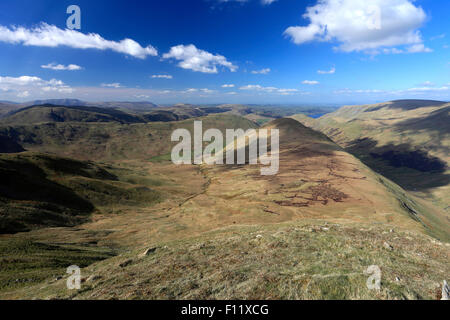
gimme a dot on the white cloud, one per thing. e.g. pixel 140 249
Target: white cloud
pixel 427 84
pixel 420 47
pixel 205 90
pixel 262 71
pixel 162 76
pixel 111 85
pixel 198 60
pixel 440 36
pixel 360 25
pixel 190 90
pixel 46 35
pixel 310 82
pixel 228 86
pixel 331 71
pixel 142 96
pixel 257 87
pixel 59 67
pixel 23 94
pixel 422 89
pixel 27 85
pixel 267 2
pixel 349 91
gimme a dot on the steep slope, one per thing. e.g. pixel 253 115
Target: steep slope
pixel 316 179
pixel 408 141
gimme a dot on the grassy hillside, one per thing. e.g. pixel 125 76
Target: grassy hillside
pixel 111 141
pixel 408 141
pixel 296 260
pixel 39 191
pixel 51 113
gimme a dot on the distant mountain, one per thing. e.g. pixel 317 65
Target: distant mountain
pixel 57 102
pixel 126 105
pixel 53 113
pixel 7 107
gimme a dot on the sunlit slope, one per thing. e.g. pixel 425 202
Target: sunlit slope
pixel 111 140
pixel 408 141
pixel 51 113
pixel 309 232
pixel 316 179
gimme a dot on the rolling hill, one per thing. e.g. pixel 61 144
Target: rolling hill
pixel 38 191
pixel 407 141
pixel 51 113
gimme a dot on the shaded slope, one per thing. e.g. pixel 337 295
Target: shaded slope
pixel 39 191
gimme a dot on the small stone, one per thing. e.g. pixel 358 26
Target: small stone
pixel 259 236
pixel 125 263
pixel 388 246
pixel 148 252
pixel 325 229
pixel 397 279
pixel 93 277
pixel 391 231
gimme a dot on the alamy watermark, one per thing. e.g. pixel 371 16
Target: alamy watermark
pixel 238 144
pixel 374 280
pixel 74 280
pixel 74 20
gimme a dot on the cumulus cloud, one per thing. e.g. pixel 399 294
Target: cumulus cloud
pixel 162 76
pixel 46 35
pixel 228 86
pixel 310 82
pixel 111 85
pixel 257 87
pixel 26 85
pixel 190 90
pixel 262 71
pixel 59 67
pixel 425 89
pixel 331 71
pixel 360 25
pixel 198 60
pixel 23 94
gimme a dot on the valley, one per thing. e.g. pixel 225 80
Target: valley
pixel 95 187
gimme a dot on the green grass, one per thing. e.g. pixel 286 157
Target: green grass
pixel 298 260
pixel 24 262
pixel 39 190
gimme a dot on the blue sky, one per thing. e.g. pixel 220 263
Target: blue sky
pixel 211 51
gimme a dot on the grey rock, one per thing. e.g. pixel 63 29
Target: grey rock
pixel 445 291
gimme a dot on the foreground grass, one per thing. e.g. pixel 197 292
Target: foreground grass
pixel 25 262
pixel 301 260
